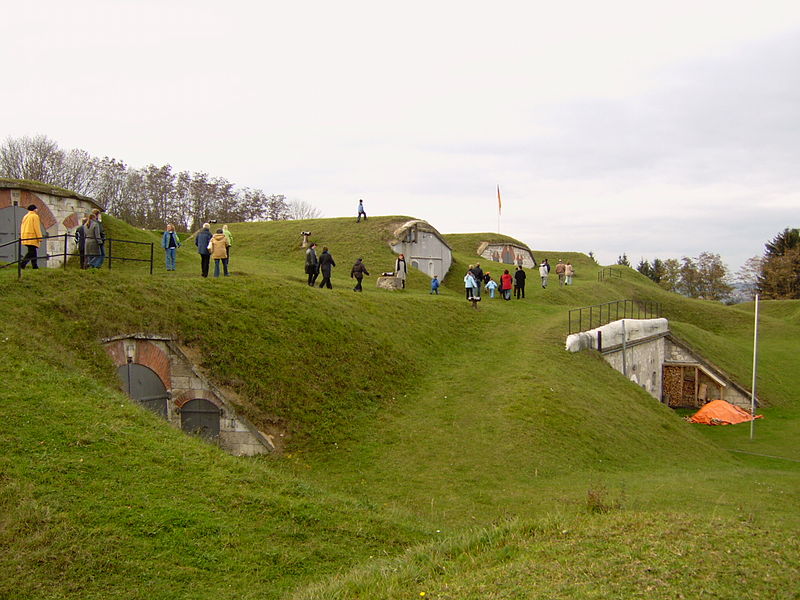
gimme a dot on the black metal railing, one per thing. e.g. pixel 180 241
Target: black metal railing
pixel 108 257
pixel 589 317
pixel 608 273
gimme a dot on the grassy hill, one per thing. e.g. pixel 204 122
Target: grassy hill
pixel 427 447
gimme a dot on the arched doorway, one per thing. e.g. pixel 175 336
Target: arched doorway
pixel 201 417
pixel 145 387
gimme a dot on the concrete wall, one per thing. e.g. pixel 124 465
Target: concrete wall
pixel 428 253
pixel 649 347
pixel 160 354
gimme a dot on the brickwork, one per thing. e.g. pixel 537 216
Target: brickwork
pixel 188 395
pixel 5 198
pixel 153 357
pixel 72 221
pixel 45 214
pixel 116 351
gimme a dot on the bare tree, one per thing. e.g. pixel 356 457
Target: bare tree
pixel 300 209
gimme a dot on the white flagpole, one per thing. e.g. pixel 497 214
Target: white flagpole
pixel 499 208
pixel 755 370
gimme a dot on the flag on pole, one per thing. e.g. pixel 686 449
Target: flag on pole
pixel 499 202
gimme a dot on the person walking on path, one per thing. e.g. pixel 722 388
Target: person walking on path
pixel 519 282
pixel 30 235
pixel 358 271
pixel 491 285
pixel 401 269
pixel 93 243
pixel 229 237
pixel 435 285
pixel 560 270
pixel 569 271
pixel 361 211
pixel 478 273
pixel 544 271
pixel 470 284
pixel 203 242
pixel 325 263
pixel 80 241
pixel 506 283
pixel 170 243
pixel 219 252
pixel 312 264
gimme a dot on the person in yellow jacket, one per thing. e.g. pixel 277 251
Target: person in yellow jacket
pixel 30 233
pixel 219 251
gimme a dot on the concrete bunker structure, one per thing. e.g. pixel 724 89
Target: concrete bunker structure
pixel 508 253
pixel 157 374
pixel 60 212
pixel 647 353
pixel 424 247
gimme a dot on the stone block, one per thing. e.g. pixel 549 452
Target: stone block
pixel 389 283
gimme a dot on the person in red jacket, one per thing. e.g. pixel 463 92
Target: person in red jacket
pixel 506 283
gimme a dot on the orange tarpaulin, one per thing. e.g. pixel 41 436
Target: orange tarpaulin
pixel 719 412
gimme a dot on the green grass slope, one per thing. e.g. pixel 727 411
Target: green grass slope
pixel 414 426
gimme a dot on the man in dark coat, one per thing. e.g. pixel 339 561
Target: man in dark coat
pixel 201 240
pixel 325 263
pixel 358 271
pixel 312 264
pixel 477 272
pixel 519 282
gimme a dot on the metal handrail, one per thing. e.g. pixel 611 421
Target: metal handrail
pixel 110 256
pixel 612 272
pixel 593 315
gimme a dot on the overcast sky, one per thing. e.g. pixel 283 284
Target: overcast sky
pixel 651 128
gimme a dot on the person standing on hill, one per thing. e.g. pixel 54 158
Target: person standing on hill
pixel 470 284
pixel 401 269
pixel 325 263
pixel 506 284
pixel 519 282
pixel 312 264
pixel 361 211
pixel 560 270
pixel 219 251
pixel 544 271
pixel 478 273
pixel 94 242
pixel 30 235
pixel 569 271
pixel 203 242
pixel 170 243
pixel 491 285
pixel 229 237
pixel 435 285
pixel 358 271
pixel 80 241
pixel 101 254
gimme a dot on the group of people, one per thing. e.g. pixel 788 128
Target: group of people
pixel 216 246
pixel 90 237
pixel 564 271
pixel 475 278
pixel 324 263
pixel 209 245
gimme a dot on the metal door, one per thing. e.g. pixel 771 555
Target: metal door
pixel 10 219
pixel 201 417
pixel 145 387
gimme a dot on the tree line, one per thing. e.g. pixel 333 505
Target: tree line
pixel 147 197
pixel 774 275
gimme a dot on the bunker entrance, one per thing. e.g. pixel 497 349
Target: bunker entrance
pixel 201 417
pixel 145 387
